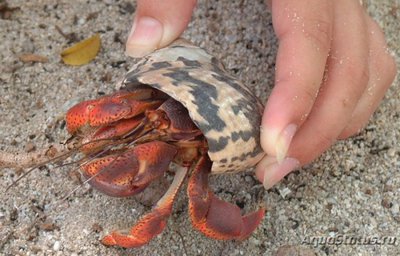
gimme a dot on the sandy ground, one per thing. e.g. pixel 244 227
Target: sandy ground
pixel 351 190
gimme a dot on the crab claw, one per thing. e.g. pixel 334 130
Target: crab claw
pixel 109 109
pixel 129 172
pixel 152 223
pixel 103 136
pixel 212 216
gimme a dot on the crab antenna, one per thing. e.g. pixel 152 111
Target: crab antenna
pixel 140 126
pixel 118 141
pixel 87 158
pixel 98 173
pixel 72 192
pixel 91 177
pixel 62 156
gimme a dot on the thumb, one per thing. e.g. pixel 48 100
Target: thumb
pixel 157 24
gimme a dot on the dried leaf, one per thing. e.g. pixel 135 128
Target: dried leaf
pixel 6 11
pixel 82 52
pixel 48 226
pixel 30 57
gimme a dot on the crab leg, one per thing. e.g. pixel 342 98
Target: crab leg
pixel 212 216
pixel 152 223
pixel 105 135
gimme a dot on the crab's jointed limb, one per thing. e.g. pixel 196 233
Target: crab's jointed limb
pixel 152 223
pixel 111 108
pixel 212 216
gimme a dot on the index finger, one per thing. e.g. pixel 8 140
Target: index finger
pixel 304 30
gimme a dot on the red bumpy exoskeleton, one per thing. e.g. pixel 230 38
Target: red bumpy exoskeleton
pixel 132 137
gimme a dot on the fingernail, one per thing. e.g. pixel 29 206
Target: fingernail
pixel 283 141
pixel 145 37
pixel 270 172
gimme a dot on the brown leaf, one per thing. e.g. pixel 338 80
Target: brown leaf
pixel 83 52
pixel 6 11
pixel 30 57
pixel 48 226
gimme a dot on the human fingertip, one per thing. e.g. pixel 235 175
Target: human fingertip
pixel 276 142
pixel 270 172
pixel 283 141
pixel 145 37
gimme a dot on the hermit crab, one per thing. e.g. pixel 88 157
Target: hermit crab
pixel 177 106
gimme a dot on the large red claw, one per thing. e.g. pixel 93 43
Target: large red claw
pixel 152 223
pixel 78 116
pixel 129 172
pixel 114 109
pixel 214 217
pixel 109 109
pixel 94 113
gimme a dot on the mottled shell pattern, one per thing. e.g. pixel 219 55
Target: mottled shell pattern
pixel 226 111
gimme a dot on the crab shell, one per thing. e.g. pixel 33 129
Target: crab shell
pixel 226 111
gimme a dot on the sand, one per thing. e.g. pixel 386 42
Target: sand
pixel 351 190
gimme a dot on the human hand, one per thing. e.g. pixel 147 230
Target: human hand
pixel 332 71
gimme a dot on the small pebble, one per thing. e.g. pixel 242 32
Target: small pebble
pixel 387 188
pixel 284 192
pixel 29 147
pixel 391 152
pixel 96 227
pixel 57 246
pixel 254 241
pixel 386 203
pixel 14 214
pixel 395 209
pixel 248 179
pixel 81 21
pixel 368 191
